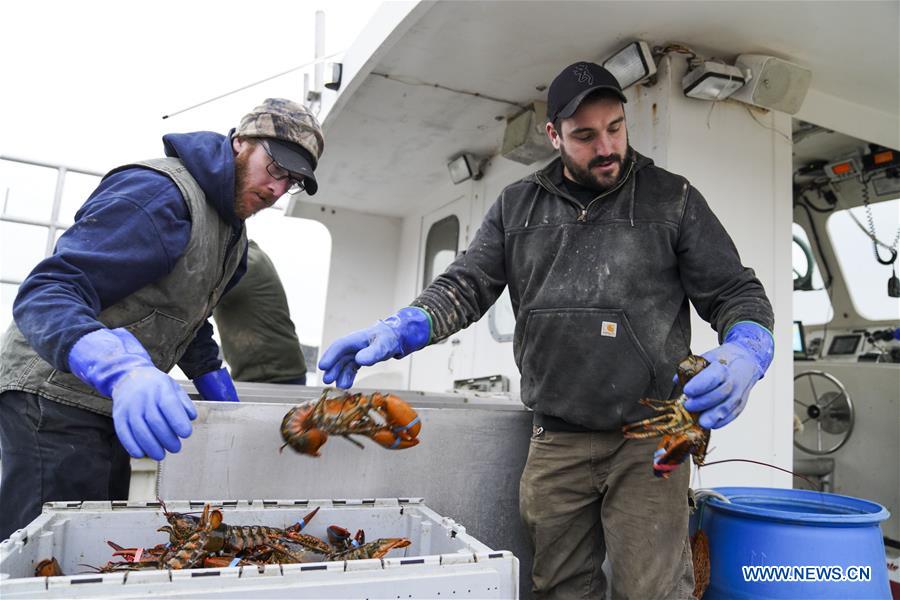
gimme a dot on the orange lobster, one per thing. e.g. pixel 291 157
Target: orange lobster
pixel 306 427
pixel 681 435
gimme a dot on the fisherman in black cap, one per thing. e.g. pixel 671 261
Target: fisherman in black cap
pixel 603 253
pixel 124 297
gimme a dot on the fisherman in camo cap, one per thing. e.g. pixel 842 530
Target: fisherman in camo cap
pixel 125 296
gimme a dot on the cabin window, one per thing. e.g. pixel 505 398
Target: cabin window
pixel 39 203
pixel 440 247
pixel 811 302
pixel 501 320
pixel 866 278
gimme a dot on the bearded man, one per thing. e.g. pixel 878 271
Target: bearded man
pixel 125 296
pixel 602 251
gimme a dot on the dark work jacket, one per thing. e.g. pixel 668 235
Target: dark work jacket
pixel 599 291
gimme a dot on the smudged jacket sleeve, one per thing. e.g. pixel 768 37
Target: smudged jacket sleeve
pixel 722 291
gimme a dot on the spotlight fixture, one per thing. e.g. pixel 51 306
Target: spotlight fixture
pixel 462 167
pixel 632 64
pixel 712 81
pixel 334 81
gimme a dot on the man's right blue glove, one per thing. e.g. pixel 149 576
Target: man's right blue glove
pixel 394 337
pixel 150 410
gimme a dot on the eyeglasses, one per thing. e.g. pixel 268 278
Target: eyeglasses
pixel 279 174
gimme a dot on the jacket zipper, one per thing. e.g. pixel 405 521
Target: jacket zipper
pixel 584 209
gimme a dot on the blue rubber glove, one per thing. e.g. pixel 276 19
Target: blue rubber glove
pixel 150 411
pixel 216 385
pixel 720 391
pixel 394 337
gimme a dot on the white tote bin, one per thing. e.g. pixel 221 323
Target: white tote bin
pixel 442 561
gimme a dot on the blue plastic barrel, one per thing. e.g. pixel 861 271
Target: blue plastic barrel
pixel 805 538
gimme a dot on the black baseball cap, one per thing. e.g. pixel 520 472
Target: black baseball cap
pixel 572 86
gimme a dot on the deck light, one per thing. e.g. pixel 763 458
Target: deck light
pixel 712 81
pixel 462 167
pixel 631 64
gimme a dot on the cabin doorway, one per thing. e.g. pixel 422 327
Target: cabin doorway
pixel 445 233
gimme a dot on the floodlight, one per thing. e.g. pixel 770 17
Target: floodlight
pixel 712 81
pixel 631 64
pixel 463 167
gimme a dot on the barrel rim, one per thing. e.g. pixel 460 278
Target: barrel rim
pixel 866 512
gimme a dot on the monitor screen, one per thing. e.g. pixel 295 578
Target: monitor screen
pixel 799 340
pixel 844 344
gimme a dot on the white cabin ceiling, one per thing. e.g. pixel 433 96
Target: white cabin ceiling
pixel 508 49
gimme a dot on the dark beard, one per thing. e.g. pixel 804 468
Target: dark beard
pixel 585 178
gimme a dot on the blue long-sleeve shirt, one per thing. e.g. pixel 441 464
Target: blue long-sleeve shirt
pixel 129 233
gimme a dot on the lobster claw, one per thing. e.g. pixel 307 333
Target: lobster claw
pixel 299 525
pixel 675 448
pixel 666 459
pixel 337 535
pixel 382 546
pixel 402 419
pixel 393 441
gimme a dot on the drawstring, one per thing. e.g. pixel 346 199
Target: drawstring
pixel 631 206
pixel 531 208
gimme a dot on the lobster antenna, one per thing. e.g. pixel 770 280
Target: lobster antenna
pixel 347 437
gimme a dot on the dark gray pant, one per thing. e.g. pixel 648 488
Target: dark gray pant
pixel 54 452
pixel 587 496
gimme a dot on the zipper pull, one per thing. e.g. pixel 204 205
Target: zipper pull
pixel 583 216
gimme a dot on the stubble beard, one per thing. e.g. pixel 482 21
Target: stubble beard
pixel 586 178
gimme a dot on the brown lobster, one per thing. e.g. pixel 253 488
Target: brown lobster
pixel 681 435
pixel 385 418
pixel 377 549
pixel 208 538
pixel 241 538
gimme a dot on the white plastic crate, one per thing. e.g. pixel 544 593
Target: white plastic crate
pixel 442 561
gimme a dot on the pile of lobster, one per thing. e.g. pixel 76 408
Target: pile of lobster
pixel 205 541
pixel 385 418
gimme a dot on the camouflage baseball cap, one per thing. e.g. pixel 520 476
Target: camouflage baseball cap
pixel 294 136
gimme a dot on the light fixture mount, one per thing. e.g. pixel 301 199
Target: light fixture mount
pixel 712 81
pixel 632 64
pixel 464 166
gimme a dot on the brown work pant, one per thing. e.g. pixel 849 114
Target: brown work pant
pixel 584 496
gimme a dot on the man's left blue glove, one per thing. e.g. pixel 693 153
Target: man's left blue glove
pixel 216 385
pixel 720 391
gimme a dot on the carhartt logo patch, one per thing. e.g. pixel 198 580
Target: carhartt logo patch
pixel 583 73
pixel 608 329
